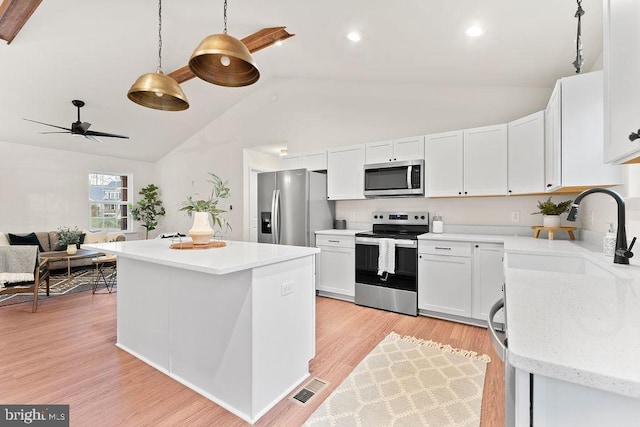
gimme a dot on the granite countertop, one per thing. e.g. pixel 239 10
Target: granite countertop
pixel 235 256
pixel 346 232
pixel 577 327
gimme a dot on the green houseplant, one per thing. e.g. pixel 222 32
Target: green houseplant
pixel 148 209
pixel 551 211
pixel 203 209
pixel 69 237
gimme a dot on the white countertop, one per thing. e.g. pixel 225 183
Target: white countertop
pixel 579 328
pixel 346 232
pixel 236 256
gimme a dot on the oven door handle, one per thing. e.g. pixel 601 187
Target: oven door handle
pixel 371 241
pixel 498 345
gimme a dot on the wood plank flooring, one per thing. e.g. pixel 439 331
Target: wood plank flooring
pixel 66 354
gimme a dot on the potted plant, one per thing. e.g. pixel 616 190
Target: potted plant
pixel 551 211
pixel 206 211
pixel 69 238
pixel 148 209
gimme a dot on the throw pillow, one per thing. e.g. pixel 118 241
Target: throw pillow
pixel 27 239
pixel 3 240
pixel 95 237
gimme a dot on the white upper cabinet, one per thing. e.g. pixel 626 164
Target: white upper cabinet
pixel 574 135
pixel 485 161
pixel 291 161
pixel 443 159
pixel 315 160
pixel 411 148
pixel 621 74
pixel 345 176
pixel 526 154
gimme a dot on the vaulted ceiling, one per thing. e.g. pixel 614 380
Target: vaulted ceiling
pixel 93 51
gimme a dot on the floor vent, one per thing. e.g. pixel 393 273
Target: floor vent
pixel 310 389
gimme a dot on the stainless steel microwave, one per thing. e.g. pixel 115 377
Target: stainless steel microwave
pixel 393 179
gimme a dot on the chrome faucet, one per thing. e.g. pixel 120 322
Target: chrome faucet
pixel 622 253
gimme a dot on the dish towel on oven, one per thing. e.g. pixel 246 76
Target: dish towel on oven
pixel 386 256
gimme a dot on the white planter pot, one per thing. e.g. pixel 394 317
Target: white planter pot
pixel 201 231
pixel 551 220
pixel 72 249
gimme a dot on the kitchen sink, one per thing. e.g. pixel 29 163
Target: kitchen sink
pixel 556 263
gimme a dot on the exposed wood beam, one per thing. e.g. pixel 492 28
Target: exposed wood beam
pixel 13 15
pixel 254 42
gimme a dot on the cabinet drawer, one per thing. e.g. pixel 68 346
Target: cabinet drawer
pixel 443 247
pixel 337 241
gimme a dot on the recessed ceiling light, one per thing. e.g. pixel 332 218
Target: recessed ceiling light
pixel 354 36
pixel 474 31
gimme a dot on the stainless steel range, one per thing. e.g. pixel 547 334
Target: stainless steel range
pixel 387 262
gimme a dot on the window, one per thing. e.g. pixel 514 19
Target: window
pixel 108 201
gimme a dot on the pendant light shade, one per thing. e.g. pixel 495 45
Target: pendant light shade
pixel 158 91
pixel 224 60
pixel 155 90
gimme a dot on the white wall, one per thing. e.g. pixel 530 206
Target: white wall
pixel 43 189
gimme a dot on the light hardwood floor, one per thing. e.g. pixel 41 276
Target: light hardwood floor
pixel 65 354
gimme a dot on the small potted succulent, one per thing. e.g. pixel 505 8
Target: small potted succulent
pixel 551 211
pixel 204 209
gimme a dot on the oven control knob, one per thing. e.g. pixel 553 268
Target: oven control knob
pixel 415 217
pixel 375 217
pixel 422 217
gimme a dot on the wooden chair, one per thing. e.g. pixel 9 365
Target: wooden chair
pixel 41 273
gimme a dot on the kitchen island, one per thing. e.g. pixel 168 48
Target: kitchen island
pixel 236 324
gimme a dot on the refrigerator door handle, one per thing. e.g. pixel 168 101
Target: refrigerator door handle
pixel 276 216
pixel 273 217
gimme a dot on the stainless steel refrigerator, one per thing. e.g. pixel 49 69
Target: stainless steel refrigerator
pixel 292 206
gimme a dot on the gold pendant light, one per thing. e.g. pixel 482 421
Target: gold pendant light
pixel 224 60
pixel 157 90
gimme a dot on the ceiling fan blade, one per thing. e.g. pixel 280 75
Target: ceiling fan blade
pixel 92 138
pixel 42 133
pixel 47 124
pixel 110 135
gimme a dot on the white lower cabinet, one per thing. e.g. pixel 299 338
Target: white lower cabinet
pixel 461 279
pixel 335 266
pixel 444 277
pixel 488 279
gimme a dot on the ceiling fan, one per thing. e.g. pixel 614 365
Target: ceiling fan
pixel 81 128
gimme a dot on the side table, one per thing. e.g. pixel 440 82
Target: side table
pixel 101 263
pixel 538 228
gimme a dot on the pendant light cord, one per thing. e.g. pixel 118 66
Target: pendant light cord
pixel 579 58
pixel 225 16
pixel 160 35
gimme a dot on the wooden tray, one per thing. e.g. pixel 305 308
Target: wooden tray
pixel 190 245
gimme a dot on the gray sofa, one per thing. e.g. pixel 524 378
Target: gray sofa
pixel 50 247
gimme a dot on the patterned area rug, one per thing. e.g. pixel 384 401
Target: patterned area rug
pixel 406 381
pixel 81 280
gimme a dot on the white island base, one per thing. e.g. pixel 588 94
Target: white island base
pixel 243 339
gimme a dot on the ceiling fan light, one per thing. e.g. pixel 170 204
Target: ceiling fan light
pixel 158 91
pixel 209 58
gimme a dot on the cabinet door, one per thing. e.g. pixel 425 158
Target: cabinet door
pixel 336 271
pixel 526 154
pixel 444 284
pixel 621 71
pixel 411 148
pixel 552 135
pixel 443 159
pixel 485 161
pixel 345 179
pixel 291 161
pixel 488 279
pixel 379 152
pixel 315 161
